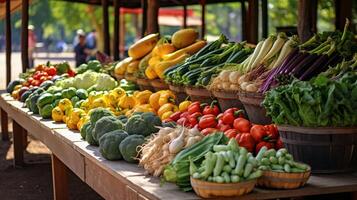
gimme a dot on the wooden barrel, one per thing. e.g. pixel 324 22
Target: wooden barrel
pixel 252 105
pixel 325 149
pixel 199 94
pixel 144 84
pixel 207 189
pixel 227 99
pixel 282 180
pixel 158 85
pixel 179 92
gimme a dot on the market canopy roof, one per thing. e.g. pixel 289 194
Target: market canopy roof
pixel 163 3
pixel 15 5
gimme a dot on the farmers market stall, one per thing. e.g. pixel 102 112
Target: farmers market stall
pixel 121 180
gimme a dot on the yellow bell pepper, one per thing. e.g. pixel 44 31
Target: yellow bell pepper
pixel 154 100
pixel 166 115
pixel 64 104
pixel 184 105
pixel 76 115
pixel 100 102
pixel 143 97
pixel 166 97
pixel 82 121
pixel 144 108
pixel 165 108
pixel 57 114
pixel 118 92
pixel 110 99
pixel 71 124
pixel 94 95
pixel 127 102
pixel 150 73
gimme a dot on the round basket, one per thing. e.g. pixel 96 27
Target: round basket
pixel 282 180
pixel 199 94
pixel 227 99
pixel 179 92
pixel 158 85
pixel 130 77
pixel 207 189
pixel 325 149
pixel 144 84
pixel 252 105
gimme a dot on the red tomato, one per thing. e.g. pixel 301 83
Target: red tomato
pixel 51 71
pixel 44 73
pixel 37 75
pixel 261 144
pixel 36 83
pixel 30 79
pixel 279 144
pixel 242 125
pixel 258 132
pixel 230 133
pixel 208 131
pixel 71 73
pixel 49 77
pixel 207 121
pixel 246 140
pixel 43 78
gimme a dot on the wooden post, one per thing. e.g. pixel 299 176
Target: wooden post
pixel 116 41
pixel 144 8
pixel 184 13
pixel 4 125
pixel 18 140
pixel 244 22
pixel 24 34
pixel 265 18
pixel 8 42
pixel 203 18
pixel 153 16
pixel 343 10
pixel 106 27
pixel 253 13
pixel 122 35
pixel 59 179
pixel 307 17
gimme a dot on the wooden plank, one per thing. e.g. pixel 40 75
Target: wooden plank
pixel 203 18
pixel 307 18
pixel 24 34
pixel 68 136
pixel 6 96
pixel 4 125
pixel 116 40
pixel 265 18
pixel 144 7
pixel 184 7
pixel 59 179
pixel 152 16
pixel 244 22
pixel 103 182
pixel 131 194
pixel 8 41
pixel 18 142
pixel 106 35
pixel 253 14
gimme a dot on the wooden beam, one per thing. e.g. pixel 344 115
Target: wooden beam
pixel 122 35
pixel 203 18
pixel 153 16
pixel 116 41
pixel 59 179
pixel 8 41
pixel 265 18
pixel 244 22
pixel 18 140
pixel 307 18
pixel 343 10
pixel 144 8
pixel 184 2
pixel 4 125
pixel 106 35
pixel 253 15
pixel 24 34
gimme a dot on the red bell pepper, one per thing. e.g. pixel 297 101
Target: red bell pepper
pixel 242 125
pixel 234 110
pixel 246 140
pixel 279 144
pixel 272 131
pixel 258 132
pixel 261 144
pixel 193 118
pixel 211 109
pixel 223 127
pixel 175 116
pixel 208 131
pixel 184 115
pixel 230 133
pixel 195 107
pixel 207 121
pixel 183 122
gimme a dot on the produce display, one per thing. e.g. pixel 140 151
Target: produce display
pixel 310 84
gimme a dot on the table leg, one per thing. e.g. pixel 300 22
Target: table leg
pixel 354 196
pixel 24 139
pixel 4 125
pixel 59 178
pixel 18 141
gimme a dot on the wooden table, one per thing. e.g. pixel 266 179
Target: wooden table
pixel 122 180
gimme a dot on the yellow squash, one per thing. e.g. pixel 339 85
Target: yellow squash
pixel 143 46
pixel 143 97
pixel 192 49
pixel 165 108
pixel 133 67
pixel 150 73
pixel 127 102
pixel 184 37
pixel 166 115
pixel 154 100
pixel 120 67
pixel 162 66
pixel 57 114
pixel 166 97
pixel 183 106
pixel 163 49
pixel 65 104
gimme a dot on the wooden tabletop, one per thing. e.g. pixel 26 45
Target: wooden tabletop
pixel 122 180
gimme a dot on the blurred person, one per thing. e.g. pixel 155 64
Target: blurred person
pixel 76 38
pixel 31 45
pixel 81 50
pixel 91 39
